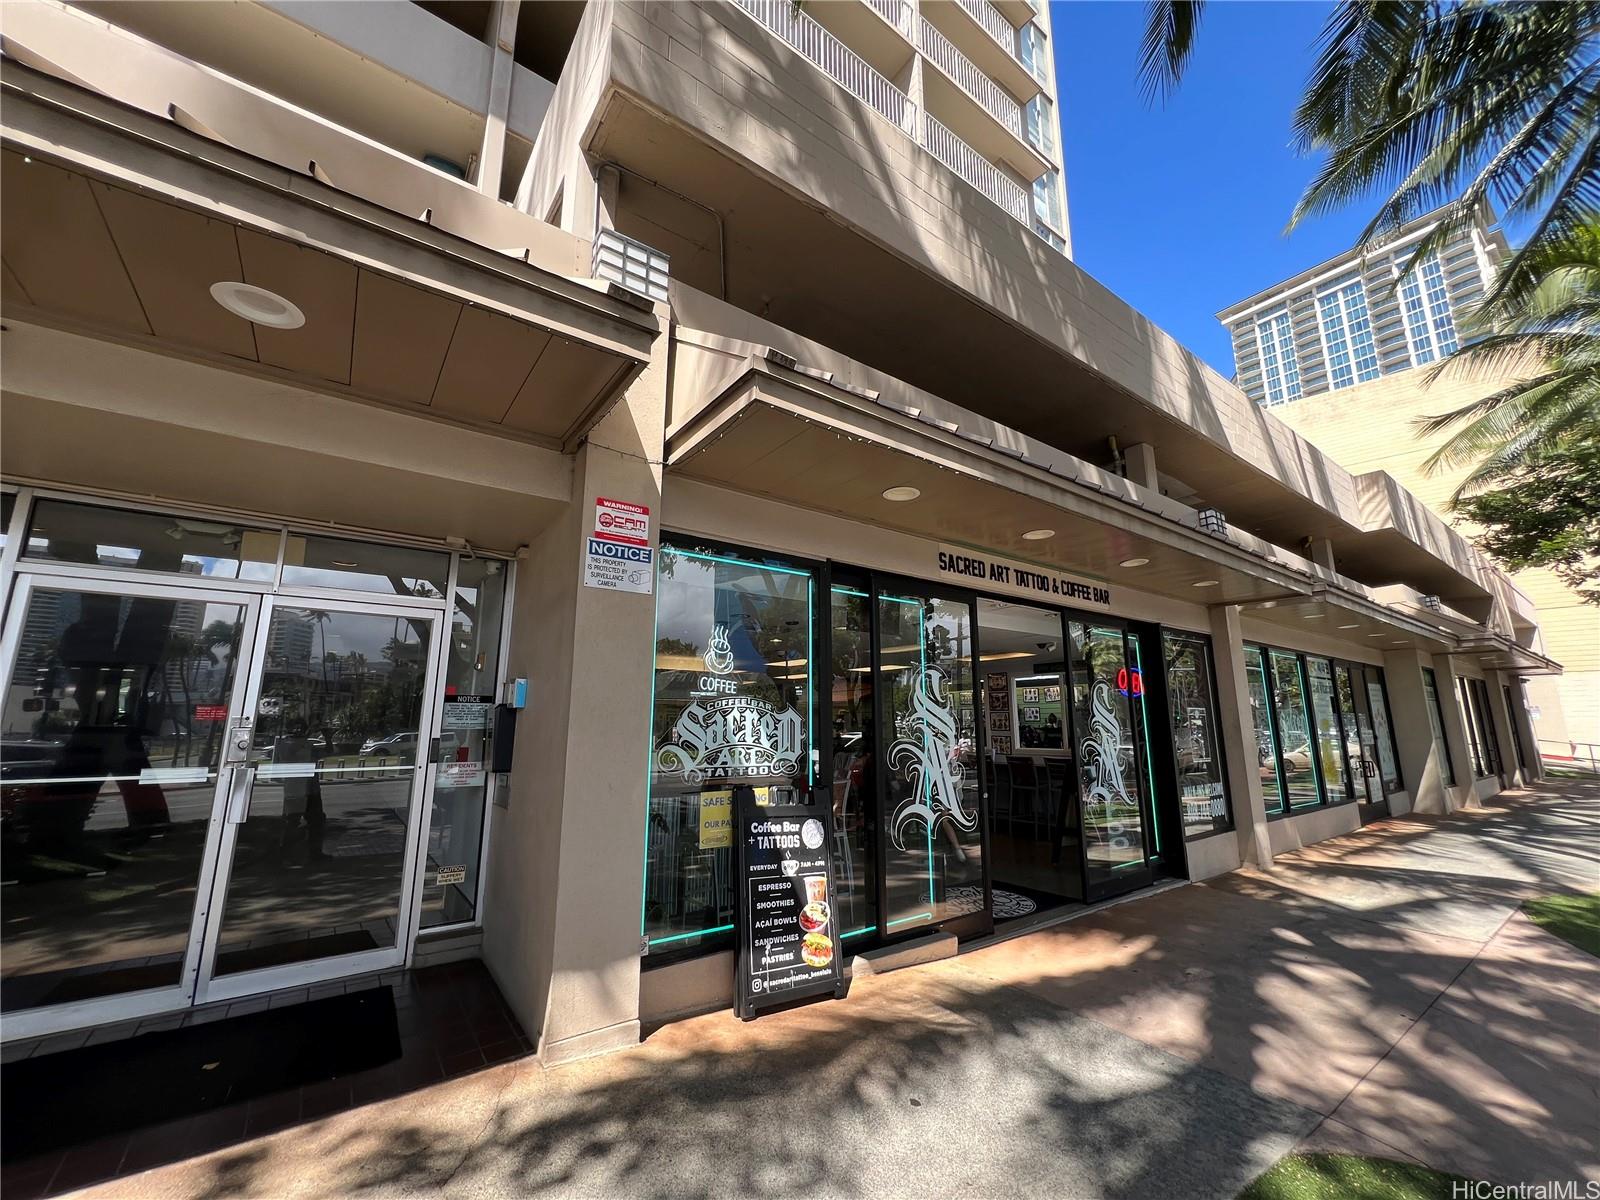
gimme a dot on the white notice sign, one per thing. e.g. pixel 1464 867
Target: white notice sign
pixel 618 555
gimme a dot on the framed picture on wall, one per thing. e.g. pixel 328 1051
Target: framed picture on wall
pixel 1000 744
pixel 1052 694
pixel 1028 695
pixel 1000 721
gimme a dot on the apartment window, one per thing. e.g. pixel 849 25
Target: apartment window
pixel 1279 367
pixel 1039 116
pixel 1047 200
pixel 1034 51
pixel 1430 689
pixel 1425 301
pixel 1192 706
pixel 1347 335
pixel 1444 325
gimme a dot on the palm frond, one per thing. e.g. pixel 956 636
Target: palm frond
pixel 1167 46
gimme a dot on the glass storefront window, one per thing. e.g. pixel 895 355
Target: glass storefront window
pixel 1255 670
pixel 1382 729
pixel 461 782
pixel 933 851
pixel 1330 755
pixel 1295 750
pixel 1430 689
pixel 854 767
pixel 67 532
pixel 1203 792
pixel 311 561
pixel 731 717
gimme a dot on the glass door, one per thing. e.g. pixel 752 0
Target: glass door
pixel 932 857
pixel 321 824
pixel 1362 748
pixel 118 698
pixel 1113 776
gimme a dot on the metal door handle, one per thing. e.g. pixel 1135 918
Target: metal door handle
pixel 243 783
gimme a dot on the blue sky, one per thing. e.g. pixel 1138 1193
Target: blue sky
pixel 1180 208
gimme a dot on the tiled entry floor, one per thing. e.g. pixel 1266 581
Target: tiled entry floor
pixel 452 1021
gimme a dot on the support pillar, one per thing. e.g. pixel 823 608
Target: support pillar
pixel 492 154
pixel 1139 465
pixel 561 917
pixel 1421 760
pixel 1500 714
pixel 1464 793
pixel 1236 727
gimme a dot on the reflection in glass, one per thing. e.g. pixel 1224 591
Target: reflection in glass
pixel 61 531
pixel 732 715
pixel 1255 672
pixel 8 504
pixel 1430 688
pixel 113 724
pixel 1378 702
pixel 1194 732
pixel 1041 709
pixel 311 561
pixel 933 851
pixel 854 778
pixel 1294 730
pixel 461 783
pixel 1331 755
pixel 1110 790
pixel 317 867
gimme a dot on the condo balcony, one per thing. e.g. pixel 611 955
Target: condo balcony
pixel 991 124
pixel 989 38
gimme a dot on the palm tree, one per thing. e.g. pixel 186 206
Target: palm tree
pixel 1553 343
pixel 1447 105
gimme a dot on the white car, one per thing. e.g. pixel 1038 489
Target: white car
pixel 395 743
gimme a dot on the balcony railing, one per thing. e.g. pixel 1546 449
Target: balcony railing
pixel 896 12
pixel 975 168
pixel 970 79
pixel 992 19
pixel 846 68
pixel 840 63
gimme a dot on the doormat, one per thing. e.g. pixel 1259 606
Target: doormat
pixel 58 1100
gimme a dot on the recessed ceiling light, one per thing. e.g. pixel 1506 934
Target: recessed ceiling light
pixel 1350 626
pixel 1206 583
pixel 341 563
pixel 1401 642
pixel 1038 535
pixel 901 493
pixel 1374 635
pixel 257 305
pixel 1135 562
pixel 1313 616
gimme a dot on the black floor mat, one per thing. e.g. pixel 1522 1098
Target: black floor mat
pixel 76 1096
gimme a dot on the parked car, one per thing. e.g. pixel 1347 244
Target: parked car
pixel 395 743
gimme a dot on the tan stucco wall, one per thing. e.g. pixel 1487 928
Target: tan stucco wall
pixel 1372 427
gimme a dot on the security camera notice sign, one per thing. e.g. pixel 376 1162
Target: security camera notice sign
pixel 618 556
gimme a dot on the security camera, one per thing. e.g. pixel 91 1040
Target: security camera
pixel 1045 645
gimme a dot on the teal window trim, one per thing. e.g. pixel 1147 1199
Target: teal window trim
pixel 678 937
pixel 927 916
pixel 737 562
pixel 858 932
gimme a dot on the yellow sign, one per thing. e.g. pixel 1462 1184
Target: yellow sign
pixel 716 820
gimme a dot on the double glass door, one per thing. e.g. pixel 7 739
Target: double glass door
pixel 205 793
pixel 1364 716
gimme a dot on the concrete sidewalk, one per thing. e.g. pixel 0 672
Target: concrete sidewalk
pixel 1377 992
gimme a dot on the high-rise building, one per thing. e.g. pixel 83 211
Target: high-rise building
pixel 1362 315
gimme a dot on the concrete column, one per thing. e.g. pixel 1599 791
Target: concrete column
pixel 1534 767
pixel 1421 761
pixel 1510 772
pixel 491 158
pixel 1139 462
pixel 1455 733
pixel 608 195
pixel 561 919
pixel 1238 732
pixel 1321 552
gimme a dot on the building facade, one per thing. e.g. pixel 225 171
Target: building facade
pixel 1362 396
pixel 1363 315
pixel 448 469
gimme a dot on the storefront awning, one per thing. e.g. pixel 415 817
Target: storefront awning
pixel 119 224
